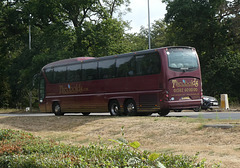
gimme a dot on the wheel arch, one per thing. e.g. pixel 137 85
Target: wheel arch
pixel 127 99
pixel 55 101
pixel 111 100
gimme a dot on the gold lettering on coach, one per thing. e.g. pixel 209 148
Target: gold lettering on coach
pixel 72 89
pixel 184 83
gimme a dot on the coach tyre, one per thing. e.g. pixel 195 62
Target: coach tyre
pixel 164 112
pixel 114 108
pixel 57 109
pixel 130 107
pixel 197 109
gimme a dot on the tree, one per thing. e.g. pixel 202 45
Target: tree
pixel 60 29
pixel 158 34
pixel 84 15
pixel 139 41
pixel 207 26
pixel 11 43
pixel 233 15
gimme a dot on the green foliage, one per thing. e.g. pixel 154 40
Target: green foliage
pixel 21 149
pixel 154 156
pixel 139 41
pixel 208 26
pixel 64 29
pixel 59 30
pixel 181 161
pixel 135 144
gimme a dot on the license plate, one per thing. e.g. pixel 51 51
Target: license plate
pixel 215 103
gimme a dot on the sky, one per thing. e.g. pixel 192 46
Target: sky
pixel 139 14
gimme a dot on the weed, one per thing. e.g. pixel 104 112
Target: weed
pixel 200 116
pixel 21 149
pixel 237 149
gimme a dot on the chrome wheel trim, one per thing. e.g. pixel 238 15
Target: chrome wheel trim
pixel 130 107
pixel 57 108
pixel 114 109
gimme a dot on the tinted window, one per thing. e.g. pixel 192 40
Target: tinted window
pixel 125 66
pixel 106 69
pixel 182 59
pixel 59 74
pixel 89 71
pixel 148 64
pixel 74 73
pixel 49 74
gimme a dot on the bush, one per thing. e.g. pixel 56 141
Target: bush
pixel 20 149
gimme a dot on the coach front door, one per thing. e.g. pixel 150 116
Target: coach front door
pixel 42 93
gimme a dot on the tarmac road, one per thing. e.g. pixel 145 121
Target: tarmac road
pixel 208 115
pixel 205 115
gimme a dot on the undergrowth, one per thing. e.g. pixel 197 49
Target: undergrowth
pixel 20 149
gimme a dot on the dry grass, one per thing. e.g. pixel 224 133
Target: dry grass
pixel 2 110
pixel 156 134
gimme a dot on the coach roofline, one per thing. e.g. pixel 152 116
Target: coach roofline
pixel 76 60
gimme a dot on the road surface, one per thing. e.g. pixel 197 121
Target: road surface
pixel 205 115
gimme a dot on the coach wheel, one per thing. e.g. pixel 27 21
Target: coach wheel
pixel 197 109
pixel 164 112
pixel 114 108
pixel 86 114
pixel 57 109
pixel 130 108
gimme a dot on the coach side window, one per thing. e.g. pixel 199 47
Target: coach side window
pixel 141 66
pixel 49 74
pixel 148 64
pixel 154 62
pixel 74 73
pixel 89 71
pixel 106 69
pixel 59 74
pixel 125 66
